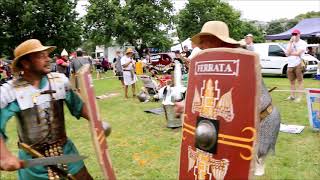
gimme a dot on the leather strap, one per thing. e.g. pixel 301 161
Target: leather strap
pixel 266 112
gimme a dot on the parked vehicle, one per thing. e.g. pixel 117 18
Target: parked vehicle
pixel 273 59
pixel 161 63
pixel 161 58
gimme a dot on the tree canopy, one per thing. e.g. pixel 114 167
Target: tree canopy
pixel 281 25
pixel 197 12
pixel 53 22
pixel 141 23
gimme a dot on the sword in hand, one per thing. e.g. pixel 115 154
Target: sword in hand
pixel 46 161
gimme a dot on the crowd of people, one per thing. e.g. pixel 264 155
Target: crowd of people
pixel 66 64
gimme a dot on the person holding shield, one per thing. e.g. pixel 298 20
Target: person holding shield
pixel 36 97
pixel 215 34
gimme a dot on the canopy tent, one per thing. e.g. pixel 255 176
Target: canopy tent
pixel 309 28
pixel 186 42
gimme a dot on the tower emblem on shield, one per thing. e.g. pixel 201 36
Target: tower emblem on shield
pixel 205 165
pixel 210 104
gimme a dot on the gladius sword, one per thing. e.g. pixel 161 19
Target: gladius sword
pixel 46 161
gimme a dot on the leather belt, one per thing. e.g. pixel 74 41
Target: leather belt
pixel 266 112
pixel 40 147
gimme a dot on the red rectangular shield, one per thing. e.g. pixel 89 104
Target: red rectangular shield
pixel 223 94
pixel 97 132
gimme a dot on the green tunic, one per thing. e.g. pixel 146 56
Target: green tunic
pixel 74 104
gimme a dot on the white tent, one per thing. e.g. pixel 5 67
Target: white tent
pixel 186 42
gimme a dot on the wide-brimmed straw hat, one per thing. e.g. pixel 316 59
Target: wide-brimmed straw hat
pixel 218 29
pixel 129 50
pixel 28 47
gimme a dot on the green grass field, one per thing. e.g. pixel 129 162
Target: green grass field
pixel 141 147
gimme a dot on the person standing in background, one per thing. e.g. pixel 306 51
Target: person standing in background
pixel 194 51
pixel 79 61
pixel 186 53
pixel 249 42
pixel 128 67
pixel 63 64
pixel 295 49
pixel 117 67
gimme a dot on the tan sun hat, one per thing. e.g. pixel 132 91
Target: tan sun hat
pixel 28 47
pixel 129 50
pixel 215 28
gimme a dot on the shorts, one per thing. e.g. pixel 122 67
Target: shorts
pixel 295 73
pixel 120 75
pixel 99 68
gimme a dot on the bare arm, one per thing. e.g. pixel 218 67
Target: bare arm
pixel 297 53
pixel 289 49
pixel 126 64
pixel 66 64
pixel 8 162
pixel 84 112
pixel 293 53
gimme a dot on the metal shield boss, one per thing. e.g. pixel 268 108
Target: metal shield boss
pixel 221 115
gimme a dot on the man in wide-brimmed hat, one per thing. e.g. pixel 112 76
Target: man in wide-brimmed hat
pixel 215 34
pixel 129 76
pixel 36 98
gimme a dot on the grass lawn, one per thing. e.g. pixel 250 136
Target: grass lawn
pixel 141 147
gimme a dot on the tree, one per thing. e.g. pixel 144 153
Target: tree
pixel 197 12
pixel 101 21
pixel 281 25
pixel 311 14
pixel 88 46
pixel 250 27
pixel 141 23
pixel 53 22
pixel 277 26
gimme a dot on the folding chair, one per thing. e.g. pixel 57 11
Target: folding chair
pixel 149 84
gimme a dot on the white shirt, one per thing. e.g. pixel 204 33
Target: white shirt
pixel 194 52
pixel 294 61
pixel 250 47
pixel 144 61
pixel 125 60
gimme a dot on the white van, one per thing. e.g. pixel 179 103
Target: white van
pixel 273 59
